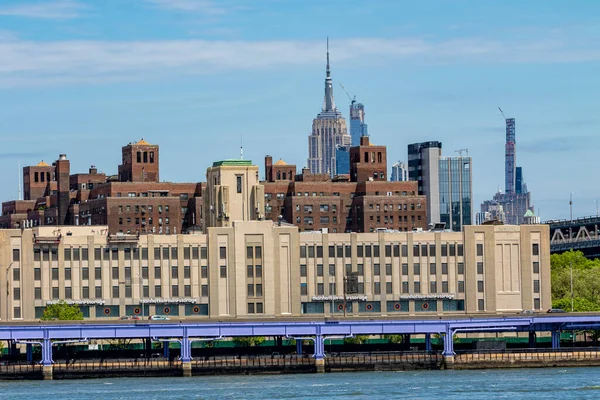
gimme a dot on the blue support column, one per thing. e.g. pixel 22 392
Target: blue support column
pixel 532 339
pixel 47 353
pixel 298 346
pixel 319 353
pixel 448 343
pixel 556 339
pixel 428 342
pixel 186 354
pixel 166 349
pixel 47 357
pixel 29 352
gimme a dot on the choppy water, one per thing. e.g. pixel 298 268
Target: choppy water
pixel 570 383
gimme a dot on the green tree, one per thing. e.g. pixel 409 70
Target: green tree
pixel 358 339
pixel 63 312
pixel 586 281
pixel 249 341
pixel 394 339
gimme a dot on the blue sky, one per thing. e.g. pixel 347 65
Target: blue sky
pixel 86 77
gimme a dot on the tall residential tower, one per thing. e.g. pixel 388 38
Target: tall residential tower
pixel 328 131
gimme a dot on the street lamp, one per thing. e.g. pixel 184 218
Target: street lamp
pixel 571 240
pixel 8 287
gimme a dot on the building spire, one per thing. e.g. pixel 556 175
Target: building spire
pixel 329 102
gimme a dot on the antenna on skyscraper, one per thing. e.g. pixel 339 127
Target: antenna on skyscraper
pixel 241 147
pixel 19 180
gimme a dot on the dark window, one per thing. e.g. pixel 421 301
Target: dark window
pixel 417 269
pixel 157 272
pixel 238 181
pixel 417 287
pixel 331 269
pixel 432 250
pixel 67 254
pixel 432 269
pixel 16 255
pixel 416 250
pixel 222 252
pixel 376 270
pixel 480 305
pixel 249 252
pixel 157 290
pixel 359 251
pixel 433 287
pixel 115 273
pixel 480 286
pixel 165 253
pixel 479 249
pixel 17 274
pixel 223 270
pixel 388 269
pixel 460 250
pixel 404 250
pixel 194 253
pixel 536 249
pixel 396 250
pixel 368 251
pixel 377 288
pixel 259 308
pixel 258 271
pixel 444 250
pixel 480 267
pixel 536 286
pixel 461 286
pixel 175 290
pixel 331 251
pixel 187 290
pixel 460 268
pixel 424 250
pixel 250 305
pixel 37 293
pixel 174 272
pixel 250 271
pixel 404 287
pixel 388 287
pixel 187 271
pixel 375 251
pixel 388 250
pixel 85 292
pixel 204 290
pixel 203 252
pixel 452 250
pixel 444 268
pixel 144 272
pixel 347 251
pixel 204 271
pixel 36 254
pixel 444 286
pixel 97 273
pixel 75 254
pixel 54 274
pixel 302 270
pixel 67 274
pixel 302 251
pixel 97 292
pixel 84 255
pixel 37 274
pixel 174 252
pixel 311 251
pixel 319 269
pixel 405 269
pixel 536 267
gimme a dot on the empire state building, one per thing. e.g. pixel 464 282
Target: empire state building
pixel 328 131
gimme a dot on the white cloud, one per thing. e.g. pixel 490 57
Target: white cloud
pixel 197 6
pixel 62 9
pixel 34 63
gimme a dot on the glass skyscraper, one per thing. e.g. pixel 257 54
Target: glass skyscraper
pixel 342 159
pixel 358 127
pixel 456 192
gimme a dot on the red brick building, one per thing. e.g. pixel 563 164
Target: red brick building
pixel 363 202
pixel 133 202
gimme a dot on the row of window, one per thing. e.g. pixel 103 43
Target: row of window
pixel 389 250
pixel 115 292
pixel 107 253
pixel 460 269
pixel 143 208
pixel 377 286
pixel 85 273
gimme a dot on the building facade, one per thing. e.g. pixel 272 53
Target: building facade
pixel 132 202
pixel 364 201
pixel 399 172
pixel 342 160
pixel 423 167
pixel 261 269
pixel 358 127
pixel 456 192
pixel 328 131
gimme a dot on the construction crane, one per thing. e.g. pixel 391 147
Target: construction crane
pixel 352 99
pixel 462 151
pixel 502 112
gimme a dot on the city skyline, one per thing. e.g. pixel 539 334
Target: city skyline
pixel 80 80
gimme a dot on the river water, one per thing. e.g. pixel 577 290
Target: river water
pixel 560 383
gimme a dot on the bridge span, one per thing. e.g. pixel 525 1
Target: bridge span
pixel 51 334
pixel 579 234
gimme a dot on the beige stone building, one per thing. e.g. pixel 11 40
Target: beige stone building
pixel 245 267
